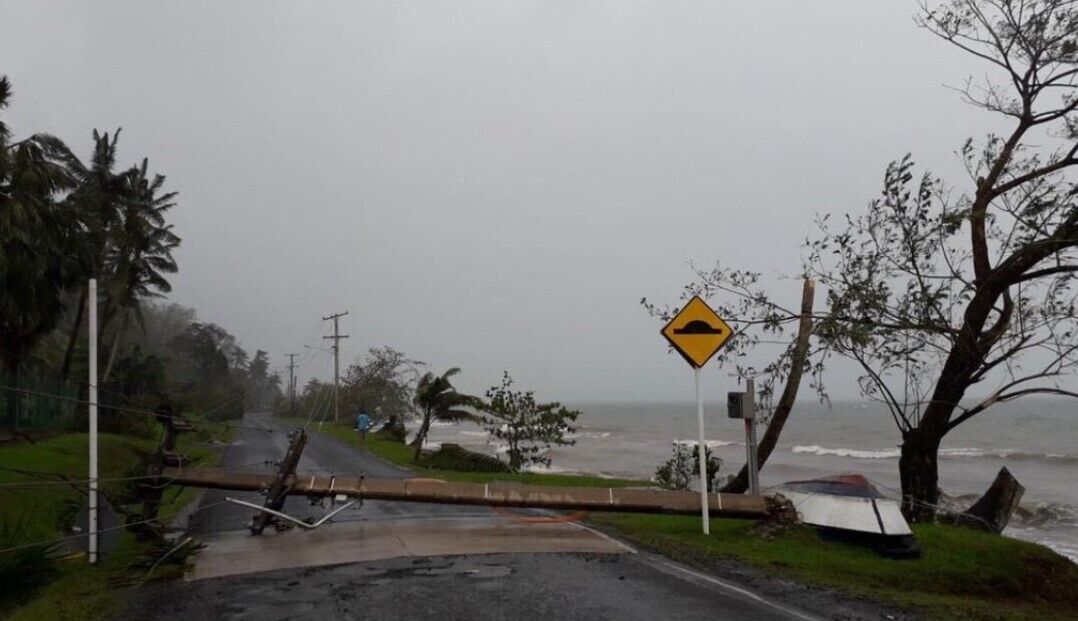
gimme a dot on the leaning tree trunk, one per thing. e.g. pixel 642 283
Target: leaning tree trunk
pixel 116 347
pixel 740 483
pixel 420 435
pixel 918 467
pixel 918 462
pixel 73 337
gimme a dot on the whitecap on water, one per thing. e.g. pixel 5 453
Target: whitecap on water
pixel 946 453
pixel 816 449
pixel 710 443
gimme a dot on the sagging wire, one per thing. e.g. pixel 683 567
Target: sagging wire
pixel 126 410
pixel 169 481
pixel 99 531
pixel 935 508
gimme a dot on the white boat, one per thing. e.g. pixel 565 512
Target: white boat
pixel 849 508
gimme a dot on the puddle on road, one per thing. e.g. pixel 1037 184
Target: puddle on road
pixel 459 568
pixel 278 611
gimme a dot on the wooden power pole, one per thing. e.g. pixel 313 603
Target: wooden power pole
pixel 292 383
pixel 337 336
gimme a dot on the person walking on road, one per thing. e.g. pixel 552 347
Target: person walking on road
pixel 363 425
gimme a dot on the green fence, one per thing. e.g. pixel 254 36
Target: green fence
pixel 38 408
pixel 40 404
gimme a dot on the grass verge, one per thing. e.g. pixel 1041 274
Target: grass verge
pixel 401 454
pixel 78 590
pixel 962 574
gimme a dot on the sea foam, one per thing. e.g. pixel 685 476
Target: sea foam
pixel 946 453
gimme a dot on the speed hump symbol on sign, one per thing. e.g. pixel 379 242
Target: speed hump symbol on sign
pixel 697 332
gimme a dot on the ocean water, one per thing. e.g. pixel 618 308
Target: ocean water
pixel 1037 440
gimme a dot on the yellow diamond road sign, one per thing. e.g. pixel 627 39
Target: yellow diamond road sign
pixel 697 332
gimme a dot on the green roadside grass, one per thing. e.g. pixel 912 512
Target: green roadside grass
pixel 962 574
pixel 78 590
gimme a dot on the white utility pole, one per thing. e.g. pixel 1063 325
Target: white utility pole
pixel 336 364
pixel 704 515
pixel 92 303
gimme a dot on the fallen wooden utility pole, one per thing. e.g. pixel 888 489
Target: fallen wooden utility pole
pixel 496 494
pixel 280 485
pixel 145 525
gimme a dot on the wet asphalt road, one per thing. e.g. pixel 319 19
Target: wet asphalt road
pixel 506 586
pixel 322 455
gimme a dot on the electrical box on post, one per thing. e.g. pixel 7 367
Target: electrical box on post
pixel 739 405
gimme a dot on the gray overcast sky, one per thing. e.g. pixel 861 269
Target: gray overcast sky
pixel 492 184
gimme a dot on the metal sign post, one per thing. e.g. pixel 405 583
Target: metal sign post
pixel 750 436
pixel 697 332
pixel 702 450
pixel 743 405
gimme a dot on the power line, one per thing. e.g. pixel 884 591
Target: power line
pixel 128 398
pixel 99 531
pixel 21 484
pixel 124 410
pixel 315 401
pixel 321 406
pixel 321 411
pixel 325 413
pixel 241 397
pixel 318 403
pixel 204 413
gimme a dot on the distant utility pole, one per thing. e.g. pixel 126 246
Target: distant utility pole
pixel 292 383
pixel 336 364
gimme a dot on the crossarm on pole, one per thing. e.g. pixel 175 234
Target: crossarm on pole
pixel 285 516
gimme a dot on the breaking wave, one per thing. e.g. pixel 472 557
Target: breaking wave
pixel 1048 523
pixel 503 449
pixel 541 469
pixel 589 435
pixel 581 435
pixel 947 453
pixel 710 443
pixel 1044 514
pixel 816 449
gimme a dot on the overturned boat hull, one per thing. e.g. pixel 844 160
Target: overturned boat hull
pixel 849 508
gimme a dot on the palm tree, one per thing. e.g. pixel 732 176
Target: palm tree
pixel 437 399
pixel 97 200
pixel 35 232
pixel 141 252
